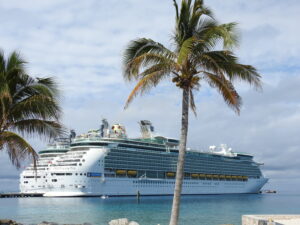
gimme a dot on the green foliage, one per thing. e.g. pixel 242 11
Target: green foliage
pixel 195 57
pixel 29 106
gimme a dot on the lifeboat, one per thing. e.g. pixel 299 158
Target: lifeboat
pixel 195 175
pixel 120 172
pixel 131 172
pixel 170 174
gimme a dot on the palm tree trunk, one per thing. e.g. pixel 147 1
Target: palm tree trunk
pixel 181 157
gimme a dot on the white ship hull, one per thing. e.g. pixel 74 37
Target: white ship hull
pixel 130 187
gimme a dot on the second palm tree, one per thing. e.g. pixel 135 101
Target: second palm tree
pixel 194 59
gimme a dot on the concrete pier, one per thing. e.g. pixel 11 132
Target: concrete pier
pixel 19 195
pixel 270 219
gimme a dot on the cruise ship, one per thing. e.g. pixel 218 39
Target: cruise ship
pixel 105 162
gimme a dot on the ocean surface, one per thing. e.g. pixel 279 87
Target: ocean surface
pixel 204 210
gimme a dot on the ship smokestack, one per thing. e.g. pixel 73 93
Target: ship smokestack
pixel 147 129
pixel 104 128
pixel 72 135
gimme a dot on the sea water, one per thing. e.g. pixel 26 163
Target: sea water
pixel 202 209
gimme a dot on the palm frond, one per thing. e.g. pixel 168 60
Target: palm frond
pixel 12 70
pixel 188 20
pixel 226 89
pixel 207 41
pixel 148 80
pixel 4 88
pixel 15 60
pixel 192 103
pixel 17 148
pixel 138 48
pixel 32 127
pixel 35 106
pixel 185 50
pixel 207 61
pixel 50 84
pixel 176 9
pixel 225 62
pixel 246 73
pixel 2 62
pixel 198 11
pixel 146 60
pixel 30 86
pixel 227 33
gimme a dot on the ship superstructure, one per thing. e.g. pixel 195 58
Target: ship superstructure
pixel 107 162
pixel 33 179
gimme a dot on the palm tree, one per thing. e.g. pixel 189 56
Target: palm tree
pixel 201 54
pixel 28 106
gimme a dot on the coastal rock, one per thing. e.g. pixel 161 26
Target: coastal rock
pixel 12 222
pixel 8 222
pixel 133 223
pixel 47 223
pixel 53 223
pixel 123 221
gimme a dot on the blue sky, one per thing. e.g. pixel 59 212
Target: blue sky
pixel 81 44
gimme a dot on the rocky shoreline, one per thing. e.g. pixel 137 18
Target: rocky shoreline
pixel 123 221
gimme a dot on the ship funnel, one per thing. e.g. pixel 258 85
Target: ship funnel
pixel 104 128
pixel 72 134
pixel 147 129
